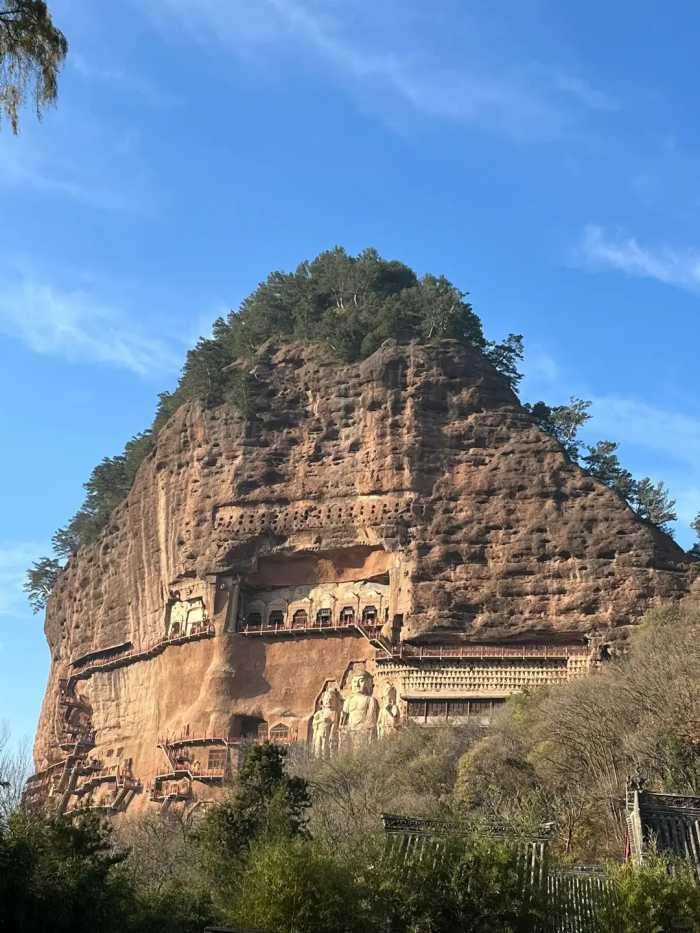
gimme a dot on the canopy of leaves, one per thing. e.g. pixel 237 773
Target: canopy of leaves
pixel 32 51
pixel 652 503
pixel 52 868
pixel 265 803
pixel 656 897
pixel 67 875
pixel 563 422
pixel 695 525
pixel 41 579
pixel 348 304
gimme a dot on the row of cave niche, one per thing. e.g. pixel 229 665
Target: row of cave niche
pixel 278 618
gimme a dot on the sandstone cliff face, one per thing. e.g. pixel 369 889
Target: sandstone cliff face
pixel 416 469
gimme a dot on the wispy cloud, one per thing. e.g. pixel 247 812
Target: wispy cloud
pixel 627 420
pixel 78 327
pixel 78 156
pixel 126 82
pixel 584 92
pixel 540 370
pixel 599 248
pixel 524 100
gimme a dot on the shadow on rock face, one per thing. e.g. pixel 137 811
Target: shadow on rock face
pixel 243 675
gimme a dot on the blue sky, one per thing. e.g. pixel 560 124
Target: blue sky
pixel 543 156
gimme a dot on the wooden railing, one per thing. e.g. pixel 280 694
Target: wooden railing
pixel 188 772
pixel 206 630
pixel 296 628
pixel 488 652
pixel 112 650
pixel 187 739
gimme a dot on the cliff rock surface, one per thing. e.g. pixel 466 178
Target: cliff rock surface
pixel 411 491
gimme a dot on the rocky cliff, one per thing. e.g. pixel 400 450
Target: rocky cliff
pixel 257 558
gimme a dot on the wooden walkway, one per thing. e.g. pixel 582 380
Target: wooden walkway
pixel 310 628
pixel 131 657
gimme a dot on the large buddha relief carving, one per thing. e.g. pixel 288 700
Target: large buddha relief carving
pixel 350 717
pixel 389 719
pixel 358 719
pixel 325 724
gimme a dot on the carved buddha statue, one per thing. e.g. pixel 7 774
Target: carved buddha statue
pixel 358 720
pixel 389 713
pixel 325 725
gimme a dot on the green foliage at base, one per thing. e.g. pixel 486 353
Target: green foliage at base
pixel 265 803
pixel 294 885
pixel 658 897
pixel 252 862
pixel 475 886
pixel 59 875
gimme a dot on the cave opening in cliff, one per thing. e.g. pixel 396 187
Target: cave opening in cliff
pixel 337 588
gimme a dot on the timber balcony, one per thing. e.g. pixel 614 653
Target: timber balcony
pixel 177 784
pixel 77 743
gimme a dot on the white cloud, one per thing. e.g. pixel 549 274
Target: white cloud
pixel 670 266
pixel 580 89
pixel 525 100
pixel 78 156
pixel 540 370
pixel 632 421
pixel 128 83
pixel 77 327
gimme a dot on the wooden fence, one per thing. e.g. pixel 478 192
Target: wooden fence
pixel 575 897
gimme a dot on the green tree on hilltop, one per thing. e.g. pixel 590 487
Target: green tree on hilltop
pixel 563 422
pixel 695 525
pixel 602 462
pixel 41 579
pixel 652 503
